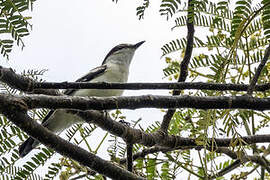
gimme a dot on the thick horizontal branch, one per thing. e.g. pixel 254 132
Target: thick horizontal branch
pixel 8 104
pixel 145 101
pixel 25 84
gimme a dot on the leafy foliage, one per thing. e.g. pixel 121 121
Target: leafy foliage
pixel 233 44
pixel 242 12
pixel 169 7
pixel 229 52
pixel 141 9
pixel 266 18
pixel 13 23
pixel 11 136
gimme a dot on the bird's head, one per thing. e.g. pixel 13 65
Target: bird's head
pixel 122 53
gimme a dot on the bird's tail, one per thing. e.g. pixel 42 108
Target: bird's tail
pixel 27 146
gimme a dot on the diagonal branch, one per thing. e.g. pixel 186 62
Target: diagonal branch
pixel 184 64
pixel 227 169
pixel 259 70
pixel 244 159
pixel 17 114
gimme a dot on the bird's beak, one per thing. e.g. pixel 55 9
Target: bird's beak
pixel 138 44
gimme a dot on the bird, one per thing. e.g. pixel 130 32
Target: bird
pixel 114 68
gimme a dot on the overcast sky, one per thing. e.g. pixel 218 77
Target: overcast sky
pixel 71 37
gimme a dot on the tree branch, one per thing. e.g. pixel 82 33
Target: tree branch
pixel 152 86
pixel 153 150
pixel 184 64
pixel 25 102
pixel 8 76
pixel 260 160
pixel 258 72
pixel 158 139
pixel 12 109
pixel 17 114
pixel 129 157
pixel 134 135
pixel 136 102
pixel 244 159
pixel 227 169
pixel 25 84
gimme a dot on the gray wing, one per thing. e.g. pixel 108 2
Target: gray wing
pixel 86 78
pixel 31 143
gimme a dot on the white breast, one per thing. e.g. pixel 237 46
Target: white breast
pixel 61 120
pixel 113 73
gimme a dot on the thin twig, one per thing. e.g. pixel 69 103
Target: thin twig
pixel 147 151
pixel 227 169
pixel 149 86
pixel 25 84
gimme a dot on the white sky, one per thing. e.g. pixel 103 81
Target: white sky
pixel 71 37
pixel 77 36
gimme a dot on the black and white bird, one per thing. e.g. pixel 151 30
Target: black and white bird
pixel 114 68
